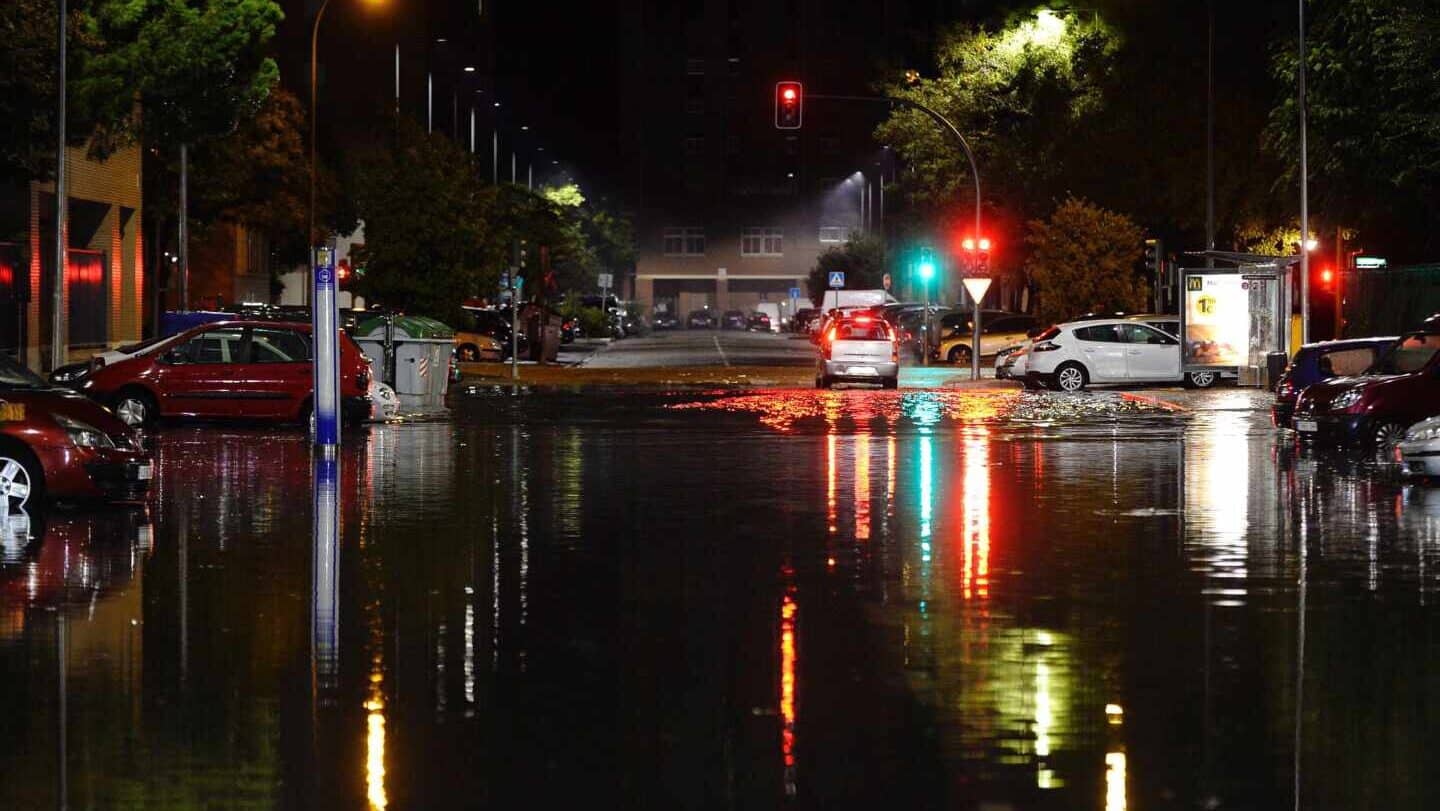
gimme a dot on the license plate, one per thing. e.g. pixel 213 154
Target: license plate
pixel 1307 426
pixel 144 472
pixel 861 370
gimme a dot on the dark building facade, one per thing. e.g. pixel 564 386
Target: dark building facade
pixel 729 210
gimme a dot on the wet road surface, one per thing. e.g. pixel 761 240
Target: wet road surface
pixel 753 599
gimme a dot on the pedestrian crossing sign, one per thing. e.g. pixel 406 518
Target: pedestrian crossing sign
pixel 837 279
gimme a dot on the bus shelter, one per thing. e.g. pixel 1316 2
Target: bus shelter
pixel 1234 319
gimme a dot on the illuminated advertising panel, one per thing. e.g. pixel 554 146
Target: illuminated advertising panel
pixel 1217 319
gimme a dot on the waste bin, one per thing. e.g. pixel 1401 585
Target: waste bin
pixel 1275 363
pixel 422 357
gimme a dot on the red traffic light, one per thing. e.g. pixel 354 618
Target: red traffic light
pixel 970 244
pixel 1327 276
pixel 789 105
pixel 984 244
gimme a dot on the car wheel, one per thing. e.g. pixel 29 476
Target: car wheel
pixel 1030 385
pixel 1070 377
pixel 959 355
pixel 1201 380
pixel 21 478
pixel 822 382
pixel 1386 436
pixel 135 407
pixel 469 353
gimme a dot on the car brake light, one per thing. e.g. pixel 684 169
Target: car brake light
pixel 862 319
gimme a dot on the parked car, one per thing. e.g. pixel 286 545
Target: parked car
pixel 485 335
pixel 72 373
pixel 804 318
pixel 1073 355
pixel 232 369
pixel 998 329
pixel 569 329
pixel 1376 408
pixel 732 319
pixel 758 322
pixel 664 321
pixel 1419 451
pixel 1323 361
pixel 860 349
pixel 700 319
pixel 56 443
pixel 1005 360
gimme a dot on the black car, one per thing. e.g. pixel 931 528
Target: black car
pixel 733 319
pixel 700 319
pixel 758 321
pixel 803 318
pixel 664 321
pixel 496 324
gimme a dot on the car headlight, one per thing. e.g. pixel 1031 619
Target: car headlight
pixel 69 375
pixel 83 434
pixel 1423 432
pixel 1346 399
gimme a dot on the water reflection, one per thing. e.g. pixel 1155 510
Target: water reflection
pixel 640 612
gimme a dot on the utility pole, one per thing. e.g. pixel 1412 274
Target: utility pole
pixel 57 301
pixel 1210 138
pixel 184 227
pixel 1304 197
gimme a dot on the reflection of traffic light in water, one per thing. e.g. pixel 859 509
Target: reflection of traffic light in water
pixel 789 608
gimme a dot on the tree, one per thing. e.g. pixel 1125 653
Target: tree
pixel 861 258
pixel 1374 118
pixel 197 68
pixel 1083 258
pixel 27 85
pixel 434 233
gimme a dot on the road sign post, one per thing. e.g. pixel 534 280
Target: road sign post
pixel 976 287
pixel 325 318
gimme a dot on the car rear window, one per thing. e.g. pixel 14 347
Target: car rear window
pixel 1347 362
pixel 855 331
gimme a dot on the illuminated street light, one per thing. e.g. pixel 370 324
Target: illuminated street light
pixel 1049 28
pixel 1312 244
pixel 469 68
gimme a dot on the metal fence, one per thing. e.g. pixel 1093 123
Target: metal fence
pixel 1389 301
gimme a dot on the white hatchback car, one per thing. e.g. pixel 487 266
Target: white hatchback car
pixel 1419 451
pixel 1071 356
pixel 858 349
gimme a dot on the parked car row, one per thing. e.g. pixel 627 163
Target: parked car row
pixel 753 321
pixel 1381 394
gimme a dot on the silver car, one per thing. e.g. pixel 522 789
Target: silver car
pixel 858 349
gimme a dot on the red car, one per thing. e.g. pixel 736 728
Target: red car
pixel 1401 389
pixel 230 369
pixel 55 442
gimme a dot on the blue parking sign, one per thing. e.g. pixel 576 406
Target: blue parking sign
pixel 794 292
pixel 837 278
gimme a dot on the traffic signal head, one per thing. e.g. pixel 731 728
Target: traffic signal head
pixel 789 105
pixel 927 269
pixel 1327 277
pixel 984 244
pixel 968 243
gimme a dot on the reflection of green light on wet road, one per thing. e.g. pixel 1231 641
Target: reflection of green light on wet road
pixel 927 462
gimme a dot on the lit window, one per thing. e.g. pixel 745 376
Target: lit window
pixel 684 241
pixel 834 233
pixel 762 242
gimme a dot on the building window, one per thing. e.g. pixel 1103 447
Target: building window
pixel 834 233
pixel 695 67
pixel 762 242
pixel 684 241
pixel 694 146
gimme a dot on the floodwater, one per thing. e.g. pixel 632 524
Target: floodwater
pixel 736 600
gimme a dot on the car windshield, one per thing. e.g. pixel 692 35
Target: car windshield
pixel 15 376
pixel 1410 354
pixel 139 346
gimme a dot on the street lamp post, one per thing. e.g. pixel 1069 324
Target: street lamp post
pixel 1304 195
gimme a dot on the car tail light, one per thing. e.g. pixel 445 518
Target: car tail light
pixel 894 352
pixel 1045 346
pixel 1286 389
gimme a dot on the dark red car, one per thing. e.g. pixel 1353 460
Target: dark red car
pixel 54 442
pixel 1402 388
pixel 229 370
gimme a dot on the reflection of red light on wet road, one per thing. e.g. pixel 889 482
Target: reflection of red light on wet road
pixel 782 410
pixel 975 502
pixel 787 678
pixel 862 487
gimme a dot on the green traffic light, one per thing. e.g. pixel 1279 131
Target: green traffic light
pixel 927 270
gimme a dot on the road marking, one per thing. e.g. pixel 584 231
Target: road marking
pixel 721 350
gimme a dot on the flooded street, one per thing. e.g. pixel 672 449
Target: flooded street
pixel 849 599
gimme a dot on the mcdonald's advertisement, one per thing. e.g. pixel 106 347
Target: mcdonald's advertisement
pixel 1217 320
